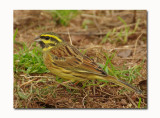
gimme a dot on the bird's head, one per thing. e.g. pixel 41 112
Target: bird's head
pixel 48 40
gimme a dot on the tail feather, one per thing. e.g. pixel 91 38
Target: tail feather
pixel 122 83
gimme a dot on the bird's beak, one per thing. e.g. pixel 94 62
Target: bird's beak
pixel 37 39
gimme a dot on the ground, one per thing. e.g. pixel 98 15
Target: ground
pixel 117 40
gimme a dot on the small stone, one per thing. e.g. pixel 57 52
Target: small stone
pixel 124 53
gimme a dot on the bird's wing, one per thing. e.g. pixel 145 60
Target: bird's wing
pixel 70 58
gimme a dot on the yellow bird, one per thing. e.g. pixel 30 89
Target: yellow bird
pixel 65 61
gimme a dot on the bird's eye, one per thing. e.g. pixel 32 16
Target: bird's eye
pixel 47 38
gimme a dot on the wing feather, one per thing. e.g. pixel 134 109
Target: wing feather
pixel 70 58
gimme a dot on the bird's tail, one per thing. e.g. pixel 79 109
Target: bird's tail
pixel 121 83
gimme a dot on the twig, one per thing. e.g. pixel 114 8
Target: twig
pixel 105 92
pixel 131 47
pixel 70 37
pixel 131 100
pixel 83 100
pixel 129 25
pixel 53 79
pixel 131 58
pixel 91 16
pixel 100 17
pixel 136 44
pixel 32 76
pixel 93 47
pixel 28 82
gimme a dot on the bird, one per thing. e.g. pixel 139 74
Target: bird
pixel 67 62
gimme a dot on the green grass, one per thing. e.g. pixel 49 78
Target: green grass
pixel 139 103
pixel 63 17
pixel 85 23
pixel 122 73
pixel 29 61
pixel 126 30
pixel 120 34
pixel 15 34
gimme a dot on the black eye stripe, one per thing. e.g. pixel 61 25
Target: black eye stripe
pixel 44 37
pixel 47 38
